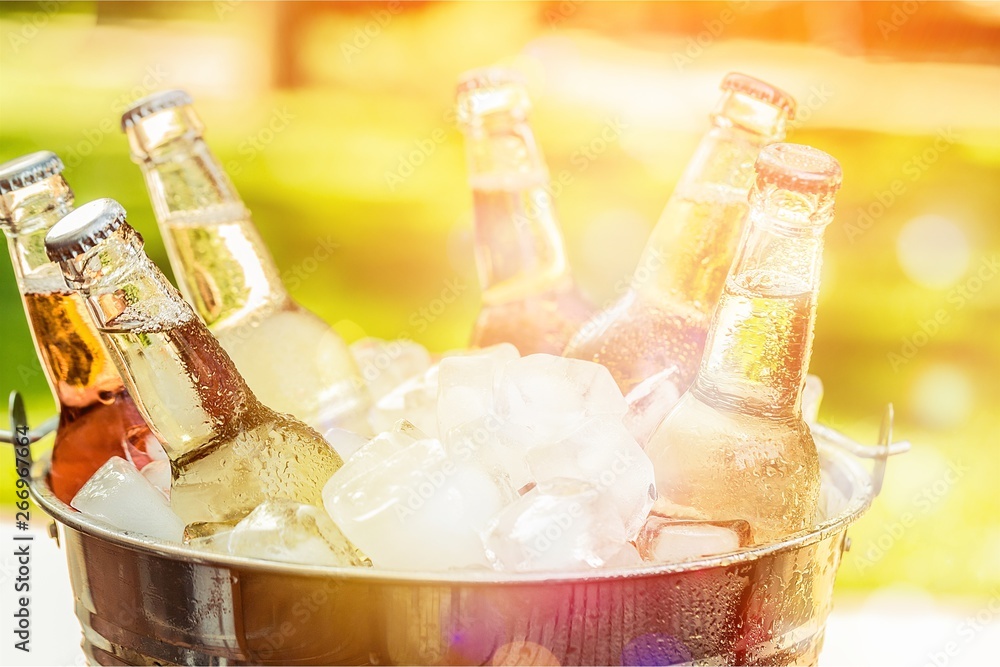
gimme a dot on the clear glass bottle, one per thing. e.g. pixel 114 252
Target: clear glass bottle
pixel 228 452
pixel 736 446
pixel 97 418
pixel 292 359
pixel 529 297
pixel 657 328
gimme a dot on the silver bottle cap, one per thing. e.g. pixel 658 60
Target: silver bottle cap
pixel 147 106
pixel 28 169
pixel 83 229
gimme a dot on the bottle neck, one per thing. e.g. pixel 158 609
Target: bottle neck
pixel 221 264
pixel 689 252
pixel 75 363
pixel 184 384
pixel 519 248
pixel 27 215
pixel 760 341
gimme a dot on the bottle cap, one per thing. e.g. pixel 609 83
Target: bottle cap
pixel 488 78
pixel 147 106
pixel 760 90
pixel 490 90
pixel 28 169
pixel 83 229
pixel 798 168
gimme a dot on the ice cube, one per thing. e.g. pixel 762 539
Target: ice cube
pixel 119 495
pixel 812 396
pixel 493 444
pixel 158 474
pixel 406 428
pixel 664 540
pixel 417 509
pixel 141 447
pixel 384 365
pixel 649 402
pixel 466 384
pixel 671 510
pixel 344 442
pixel 414 400
pixel 627 556
pixel 832 500
pixel 379 449
pixel 603 453
pixel 286 531
pixel 549 397
pixel 561 524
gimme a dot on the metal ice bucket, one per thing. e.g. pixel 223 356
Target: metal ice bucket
pixel 148 603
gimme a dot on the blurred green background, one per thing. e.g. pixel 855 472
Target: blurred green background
pixel 334 122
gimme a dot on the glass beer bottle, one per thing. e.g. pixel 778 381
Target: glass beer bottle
pixel 529 297
pixel 97 418
pixel 292 359
pixel 658 327
pixel 736 446
pixel 228 452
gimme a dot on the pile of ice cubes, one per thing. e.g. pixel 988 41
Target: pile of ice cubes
pixel 484 460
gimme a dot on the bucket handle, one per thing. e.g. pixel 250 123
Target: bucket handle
pixel 19 422
pixel 878 453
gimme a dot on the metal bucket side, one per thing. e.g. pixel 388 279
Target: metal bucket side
pixel 141 602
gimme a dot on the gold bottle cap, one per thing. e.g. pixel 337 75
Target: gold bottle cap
pixel 84 229
pixel 27 170
pixel 798 168
pixel 760 90
pixel 147 106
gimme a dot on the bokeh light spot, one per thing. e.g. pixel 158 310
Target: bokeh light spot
pixel 942 396
pixel 933 251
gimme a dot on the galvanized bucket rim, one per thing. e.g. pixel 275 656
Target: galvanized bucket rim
pixel 861 498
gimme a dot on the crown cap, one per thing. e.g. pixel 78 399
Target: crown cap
pixel 84 229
